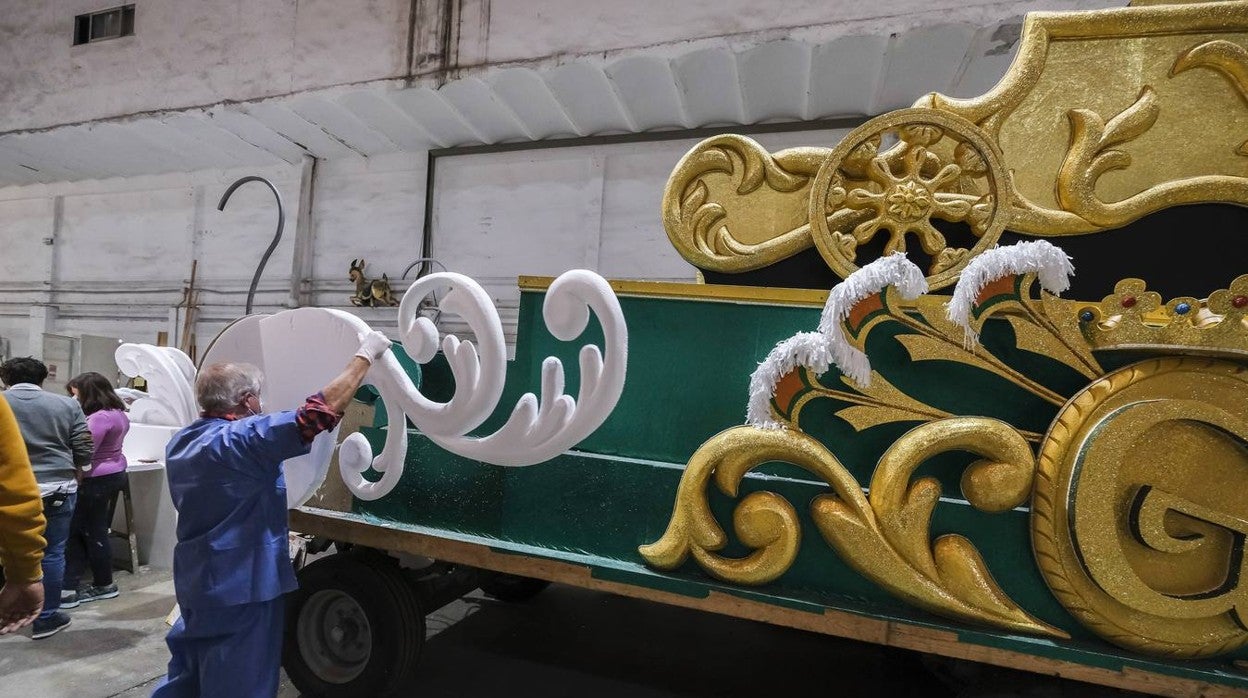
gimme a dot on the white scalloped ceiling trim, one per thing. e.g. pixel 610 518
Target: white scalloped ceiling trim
pixel 775 81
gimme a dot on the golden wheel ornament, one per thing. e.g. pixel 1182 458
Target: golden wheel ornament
pixel 1138 514
pixel 940 167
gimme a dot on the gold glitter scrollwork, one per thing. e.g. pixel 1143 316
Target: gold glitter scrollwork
pixel 1153 100
pixel 932 336
pixel 764 521
pixel 1094 151
pixel 878 402
pixel 1046 325
pixel 731 206
pixel 1116 165
pixel 1225 57
pixel 1138 515
pixel 942 167
pixel 885 537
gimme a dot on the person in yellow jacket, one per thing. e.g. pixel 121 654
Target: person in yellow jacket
pixel 21 529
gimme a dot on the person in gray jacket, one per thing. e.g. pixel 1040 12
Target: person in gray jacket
pixel 55 431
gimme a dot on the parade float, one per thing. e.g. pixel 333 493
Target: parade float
pixel 943 450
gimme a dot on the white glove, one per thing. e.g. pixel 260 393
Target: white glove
pixel 373 346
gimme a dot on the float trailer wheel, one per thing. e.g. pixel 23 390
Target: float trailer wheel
pixel 354 628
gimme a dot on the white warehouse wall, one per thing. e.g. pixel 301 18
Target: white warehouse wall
pixel 222 88
pixel 111 257
pixel 122 248
pixel 185 54
pixel 191 54
pixel 512 31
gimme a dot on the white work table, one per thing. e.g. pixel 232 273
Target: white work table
pixel 155 521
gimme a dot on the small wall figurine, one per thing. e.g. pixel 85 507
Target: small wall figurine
pixel 371 294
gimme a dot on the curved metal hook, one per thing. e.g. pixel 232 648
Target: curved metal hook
pixel 421 260
pixel 281 221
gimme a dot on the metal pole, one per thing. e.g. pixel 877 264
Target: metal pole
pixel 277 236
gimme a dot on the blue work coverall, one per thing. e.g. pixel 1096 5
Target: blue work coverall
pixel 231 565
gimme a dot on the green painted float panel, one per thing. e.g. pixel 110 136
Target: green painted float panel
pixel 690 362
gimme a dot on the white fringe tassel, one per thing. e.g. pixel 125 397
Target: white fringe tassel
pixel 819 350
pixel 809 349
pixel 1047 261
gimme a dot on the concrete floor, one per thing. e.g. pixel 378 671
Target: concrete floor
pixel 566 642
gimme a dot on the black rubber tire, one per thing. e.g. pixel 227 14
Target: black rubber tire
pixel 513 588
pixel 395 627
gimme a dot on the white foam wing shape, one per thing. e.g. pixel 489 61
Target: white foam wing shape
pixel 170 376
pixel 538 429
pixel 299 351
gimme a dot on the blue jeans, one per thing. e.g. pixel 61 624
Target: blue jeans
pixel 225 652
pixel 58 509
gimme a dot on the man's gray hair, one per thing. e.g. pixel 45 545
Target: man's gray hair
pixel 220 387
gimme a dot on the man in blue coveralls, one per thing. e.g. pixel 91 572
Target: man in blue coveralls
pixel 231 565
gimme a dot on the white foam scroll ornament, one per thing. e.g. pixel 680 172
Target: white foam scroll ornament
pixel 538 428
pixel 301 350
pixel 170 376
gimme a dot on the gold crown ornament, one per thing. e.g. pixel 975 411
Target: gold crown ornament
pixel 1133 317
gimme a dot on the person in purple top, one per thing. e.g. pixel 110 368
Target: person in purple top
pixel 88 537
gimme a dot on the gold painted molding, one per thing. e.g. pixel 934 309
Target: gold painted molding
pixel 884 536
pixel 1104 117
pixel 710 292
pixel 1138 520
pixel 731 205
pixel 942 167
pixel 759 295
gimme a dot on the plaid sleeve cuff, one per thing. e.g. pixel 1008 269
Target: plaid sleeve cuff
pixel 314 417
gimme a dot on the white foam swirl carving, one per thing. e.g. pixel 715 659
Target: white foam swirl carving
pixel 479 374
pixel 538 429
pixel 170 376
